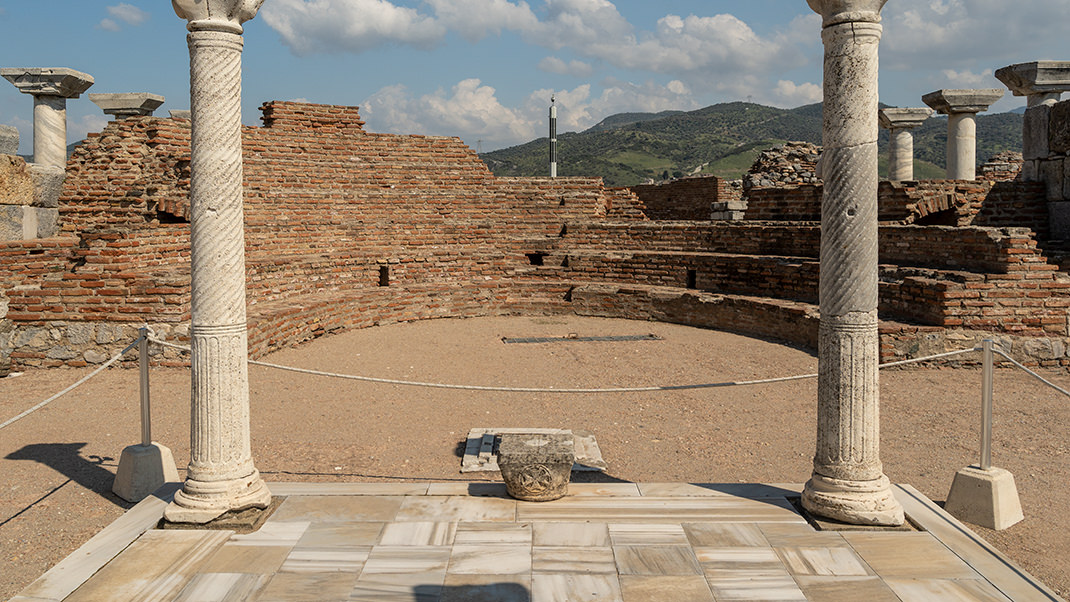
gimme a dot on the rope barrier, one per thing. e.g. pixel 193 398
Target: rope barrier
pixel 114 359
pixel 409 383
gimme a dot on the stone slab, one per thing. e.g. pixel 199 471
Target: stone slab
pixel 962 101
pixel 9 140
pixel 1036 144
pixel 47 184
pixel 16 181
pixel 127 104
pixel 1059 128
pixel 1037 77
pixel 896 118
pixel 51 81
pixel 478 458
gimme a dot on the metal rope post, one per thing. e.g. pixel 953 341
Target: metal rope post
pixel 143 364
pixel 986 406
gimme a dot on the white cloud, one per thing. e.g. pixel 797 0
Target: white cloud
pixel 330 26
pixel 108 25
pixel 472 111
pixel 78 127
pixel 128 13
pixel 475 19
pixel 552 64
pixel 789 94
pixel 969 79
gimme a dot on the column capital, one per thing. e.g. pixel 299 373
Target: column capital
pixel 216 15
pixel 1036 78
pixel 962 101
pixel 127 104
pixel 48 81
pixel 903 119
pixel 834 12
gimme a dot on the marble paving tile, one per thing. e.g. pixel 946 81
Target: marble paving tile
pixel 273 534
pixel 484 559
pixel 572 560
pixel 624 534
pixel 246 559
pixel 398 587
pixel 430 508
pixel 725 535
pixel 326 560
pixel 741 558
pixel 340 534
pixel 575 588
pixel 656 560
pixel 755 587
pixel 841 562
pixel 420 533
pixel 486 588
pixel 407 559
pixel 743 490
pixel 222 587
pixel 692 588
pixel 156 566
pixel 319 508
pixel 845 589
pixel 945 590
pixel 318 489
pixel 581 534
pixel 493 533
pixel 497 490
pixel 310 587
pixel 604 489
pixel 660 510
pixel 898 555
pixel 786 535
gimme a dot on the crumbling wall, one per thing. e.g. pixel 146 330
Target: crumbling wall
pixel 690 198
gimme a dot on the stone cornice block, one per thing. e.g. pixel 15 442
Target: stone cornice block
pixel 50 81
pixel 962 101
pixel 1038 77
pixel 127 104
pixel 893 118
pixel 216 15
pixel 834 12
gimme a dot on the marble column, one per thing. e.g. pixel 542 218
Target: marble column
pixel 899 122
pixel 50 87
pixel 221 474
pixel 848 482
pixel 127 104
pixel 961 108
pixel 1041 83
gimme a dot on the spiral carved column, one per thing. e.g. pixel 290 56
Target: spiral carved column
pixel 221 474
pixel 848 483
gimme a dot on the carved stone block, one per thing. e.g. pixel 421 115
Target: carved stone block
pixel 536 468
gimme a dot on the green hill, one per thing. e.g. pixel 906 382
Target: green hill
pixel 723 140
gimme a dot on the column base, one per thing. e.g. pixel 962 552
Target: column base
pixel 853 502
pixel 202 501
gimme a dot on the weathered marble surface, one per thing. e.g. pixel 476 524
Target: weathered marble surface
pixel 536 467
pixel 127 104
pixel 961 108
pixel 50 88
pixel 899 122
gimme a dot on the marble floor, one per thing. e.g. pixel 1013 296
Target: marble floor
pixel 470 542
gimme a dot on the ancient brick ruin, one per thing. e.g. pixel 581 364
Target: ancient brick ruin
pixel 347 229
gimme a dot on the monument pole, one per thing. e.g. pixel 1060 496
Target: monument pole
pixel 848 482
pixel 221 475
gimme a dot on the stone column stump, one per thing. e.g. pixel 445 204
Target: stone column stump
pixel 899 122
pixel 536 468
pixel 50 88
pixel 961 108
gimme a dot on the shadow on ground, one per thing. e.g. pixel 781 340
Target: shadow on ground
pixel 66 459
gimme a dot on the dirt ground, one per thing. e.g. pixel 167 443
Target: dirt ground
pixel 57 465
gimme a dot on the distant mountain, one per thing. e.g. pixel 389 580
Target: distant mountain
pixel 723 139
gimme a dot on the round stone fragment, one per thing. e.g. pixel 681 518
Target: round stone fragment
pixel 536 467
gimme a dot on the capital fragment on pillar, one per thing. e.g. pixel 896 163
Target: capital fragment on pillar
pixel 834 12
pixel 903 119
pixel 1039 81
pixel 48 81
pixel 127 104
pixel 950 102
pixel 216 15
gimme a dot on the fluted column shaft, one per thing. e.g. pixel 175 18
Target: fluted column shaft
pixel 848 483
pixel 221 474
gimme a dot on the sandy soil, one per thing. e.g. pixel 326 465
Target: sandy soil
pixel 57 465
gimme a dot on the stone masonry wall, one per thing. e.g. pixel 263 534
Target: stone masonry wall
pixel 687 199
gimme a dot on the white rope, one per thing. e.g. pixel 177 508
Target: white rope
pixel 1035 375
pixel 114 359
pixel 410 383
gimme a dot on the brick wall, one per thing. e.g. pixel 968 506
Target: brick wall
pixel 686 199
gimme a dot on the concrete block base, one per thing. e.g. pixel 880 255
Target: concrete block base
pixel 987 498
pixel 142 470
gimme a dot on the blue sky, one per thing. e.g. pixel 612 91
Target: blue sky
pixel 484 69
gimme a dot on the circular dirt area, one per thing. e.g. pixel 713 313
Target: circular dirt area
pixel 57 465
